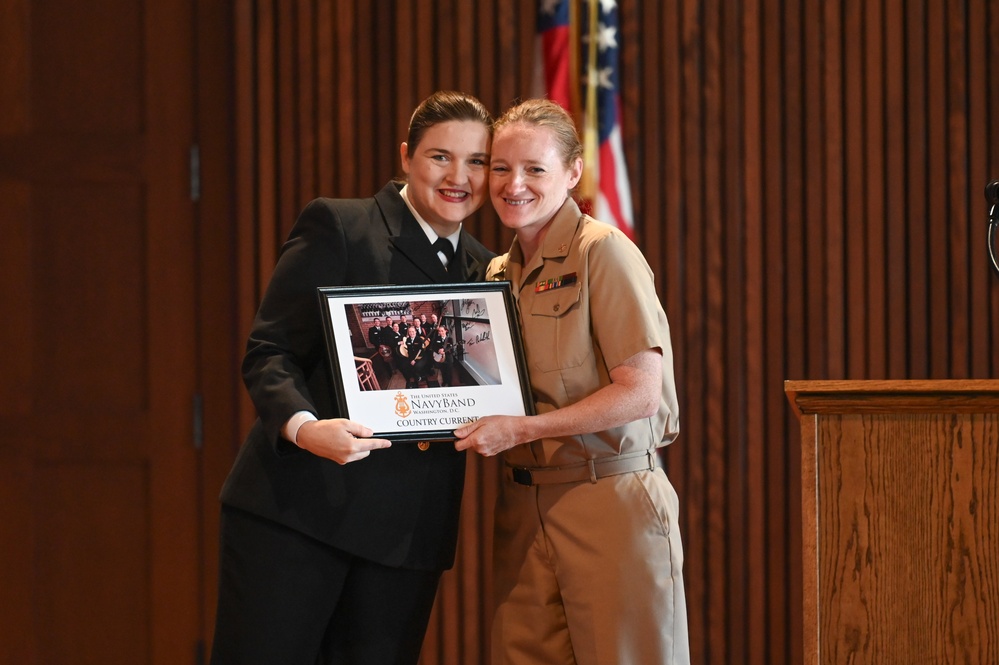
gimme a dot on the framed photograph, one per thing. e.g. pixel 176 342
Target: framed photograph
pixel 414 363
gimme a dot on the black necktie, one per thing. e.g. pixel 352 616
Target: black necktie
pixel 444 246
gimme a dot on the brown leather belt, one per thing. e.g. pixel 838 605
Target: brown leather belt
pixel 590 470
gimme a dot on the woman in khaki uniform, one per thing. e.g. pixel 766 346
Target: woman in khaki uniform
pixel 587 557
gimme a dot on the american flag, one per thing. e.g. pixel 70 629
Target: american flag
pixel 586 83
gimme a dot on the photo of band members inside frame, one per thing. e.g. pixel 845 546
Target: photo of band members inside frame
pixel 423 344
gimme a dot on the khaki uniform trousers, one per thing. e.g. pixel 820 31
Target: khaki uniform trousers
pixel 590 573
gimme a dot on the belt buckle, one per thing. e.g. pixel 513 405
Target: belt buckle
pixel 522 476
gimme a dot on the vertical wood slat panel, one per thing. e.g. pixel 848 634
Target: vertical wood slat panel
pixel 833 287
pixel 733 241
pixel 513 48
pixel 388 133
pixel 326 127
pixel 364 133
pixel 716 439
pixel 755 621
pixel 773 316
pixel 245 209
pixel 874 191
pixel 445 61
pixel 792 55
pixel 526 31
pixel 796 342
pixel 855 185
pixel 956 185
pixel 426 74
pixel 897 247
pixel 405 83
pixel 345 110
pixel 288 87
pixel 977 57
pixel 816 329
pixel 857 141
pixel 937 134
pixel 267 217
pixel 991 151
pixel 307 101
pixel 631 50
pixel 650 229
pixel 916 177
pixel 466 77
pixel 699 532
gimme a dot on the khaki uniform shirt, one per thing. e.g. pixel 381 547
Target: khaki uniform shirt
pixel 587 302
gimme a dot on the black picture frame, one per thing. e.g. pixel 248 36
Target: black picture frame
pixel 486 355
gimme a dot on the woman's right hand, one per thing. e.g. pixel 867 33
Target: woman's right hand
pixel 338 439
pixel 491 435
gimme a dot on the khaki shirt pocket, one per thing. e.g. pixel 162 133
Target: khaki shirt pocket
pixel 557 331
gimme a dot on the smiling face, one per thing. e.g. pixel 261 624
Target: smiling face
pixel 447 173
pixel 528 179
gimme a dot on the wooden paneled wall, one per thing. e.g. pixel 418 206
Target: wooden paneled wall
pixel 808 184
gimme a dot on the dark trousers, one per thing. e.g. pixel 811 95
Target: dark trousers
pixel 415 372
pixel 286 599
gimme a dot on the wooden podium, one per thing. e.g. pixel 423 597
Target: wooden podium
pixel 900 511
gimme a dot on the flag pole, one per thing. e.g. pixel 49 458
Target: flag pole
pixel 575 106
pixel 588 183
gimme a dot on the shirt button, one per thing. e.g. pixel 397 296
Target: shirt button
pixel 423 445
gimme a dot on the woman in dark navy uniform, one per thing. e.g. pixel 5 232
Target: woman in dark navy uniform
pixel 332 543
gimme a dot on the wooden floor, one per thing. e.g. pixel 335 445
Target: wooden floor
pixel 398 382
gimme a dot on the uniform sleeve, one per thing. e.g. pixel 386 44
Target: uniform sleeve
pixel 496 270
pixel 286 341
pixel 625 312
